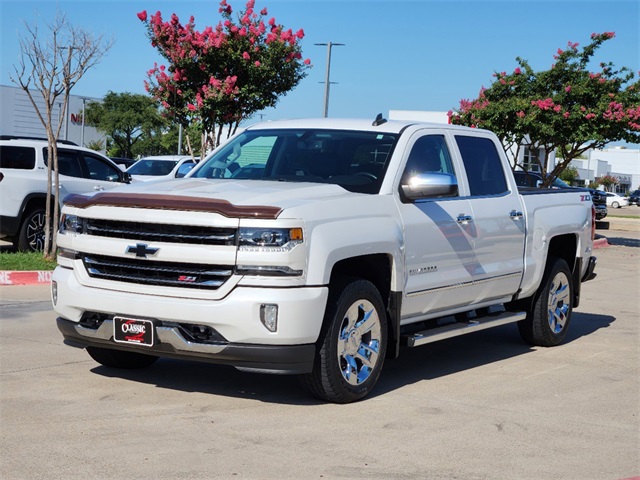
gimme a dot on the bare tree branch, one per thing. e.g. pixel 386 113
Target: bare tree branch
pixel 52 64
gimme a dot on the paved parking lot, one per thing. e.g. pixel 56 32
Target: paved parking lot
pixel 483 406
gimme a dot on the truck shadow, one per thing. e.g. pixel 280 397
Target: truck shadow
pixel 415 365
pixel 624 242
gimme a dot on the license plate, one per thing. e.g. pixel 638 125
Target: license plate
pixel 133 331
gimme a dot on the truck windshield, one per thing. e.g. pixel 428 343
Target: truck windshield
pixel 357 161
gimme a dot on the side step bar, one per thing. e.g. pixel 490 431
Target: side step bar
pixel 461 328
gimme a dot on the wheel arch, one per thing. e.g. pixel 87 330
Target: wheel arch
pixel 566 247
pixel 378 269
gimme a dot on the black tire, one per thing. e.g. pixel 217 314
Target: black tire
pixel 548 319
pixel 32 231
pixel 615 205
pixel 120 358
pixel 349 358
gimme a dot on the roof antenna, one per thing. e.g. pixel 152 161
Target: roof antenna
pixel 379 120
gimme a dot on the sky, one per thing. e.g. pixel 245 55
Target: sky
pixel 398 55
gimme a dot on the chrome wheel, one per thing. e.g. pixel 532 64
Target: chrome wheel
pixel 359 342
pixel 559 302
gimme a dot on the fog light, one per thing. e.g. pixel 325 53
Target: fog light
pixel 269 316
pixel 54 292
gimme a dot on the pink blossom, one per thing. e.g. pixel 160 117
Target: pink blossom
pixel 560 52
pixel 246 56
pixel 566 114
pixel 191 107
pixel 143 15
pixel 263 11
pixel 520 114
pixel 567 88
pixel 257 64
pixel 517 71
pixel 272 21
pixel 589 116
pixel 307 61
pixel 300 34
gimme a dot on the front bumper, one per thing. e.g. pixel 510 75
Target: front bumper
pixel 241 339
pixel 285 359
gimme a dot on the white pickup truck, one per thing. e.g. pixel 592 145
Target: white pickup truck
pixel 320 248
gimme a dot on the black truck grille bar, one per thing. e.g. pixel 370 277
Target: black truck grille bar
pixel 151 232
pixel 168 274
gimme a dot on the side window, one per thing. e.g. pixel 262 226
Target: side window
pixel 21 158
pixel 68 163
pixel 428 155
pixel 482 163
pixel 100 170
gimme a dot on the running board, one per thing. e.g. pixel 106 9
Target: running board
pixel 461 328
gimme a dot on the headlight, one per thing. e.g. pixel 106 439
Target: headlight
pixel 71 224
pixel 269 239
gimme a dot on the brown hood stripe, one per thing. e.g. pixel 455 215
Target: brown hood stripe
pixel 172 202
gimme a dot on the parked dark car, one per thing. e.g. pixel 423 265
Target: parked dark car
pixel 534 180
pixel 634 198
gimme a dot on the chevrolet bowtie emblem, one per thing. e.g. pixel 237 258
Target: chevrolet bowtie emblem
pixel 141 250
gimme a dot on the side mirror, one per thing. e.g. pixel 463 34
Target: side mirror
pixel 184 169
pixel 126 177
pixel 430 185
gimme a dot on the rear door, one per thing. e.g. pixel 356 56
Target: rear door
pixel 497 217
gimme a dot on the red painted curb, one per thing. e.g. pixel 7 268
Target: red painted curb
pixel 600 242
pixel 25 278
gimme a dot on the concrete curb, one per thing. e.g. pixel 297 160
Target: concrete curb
pixel 8 277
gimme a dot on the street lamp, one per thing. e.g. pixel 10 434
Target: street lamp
pixel 327 82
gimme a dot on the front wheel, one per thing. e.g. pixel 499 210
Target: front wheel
pixel 548 319
pixel 120 358
pixel 353 343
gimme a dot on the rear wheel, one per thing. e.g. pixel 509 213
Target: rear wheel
pixel 615 205
pixel 354 342
pixel 120 358
pixel 548 319
pixel 32 231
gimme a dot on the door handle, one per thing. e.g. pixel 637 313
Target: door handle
pixel 515 215
pixel 98 188
pixel 464 219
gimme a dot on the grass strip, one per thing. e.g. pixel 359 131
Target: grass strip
pixel 25 261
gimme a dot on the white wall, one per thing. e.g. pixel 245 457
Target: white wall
pixel 18 117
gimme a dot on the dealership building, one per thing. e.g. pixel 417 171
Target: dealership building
pixel 19 118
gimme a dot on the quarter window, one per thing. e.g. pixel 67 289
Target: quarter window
pixel 21 158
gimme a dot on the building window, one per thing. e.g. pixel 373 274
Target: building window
pixel 531 159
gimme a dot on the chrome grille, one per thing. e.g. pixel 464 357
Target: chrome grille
pixel 151 232
pixel 168 274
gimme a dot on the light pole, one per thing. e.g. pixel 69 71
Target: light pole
pixel 84 101
pixel 327 81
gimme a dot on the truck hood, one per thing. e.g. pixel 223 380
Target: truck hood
pixel 241 193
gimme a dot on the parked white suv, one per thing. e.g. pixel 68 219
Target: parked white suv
pixel 23 184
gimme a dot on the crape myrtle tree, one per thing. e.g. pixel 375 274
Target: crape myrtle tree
pixel 222 75
pixel 568 107
pixel 51 64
